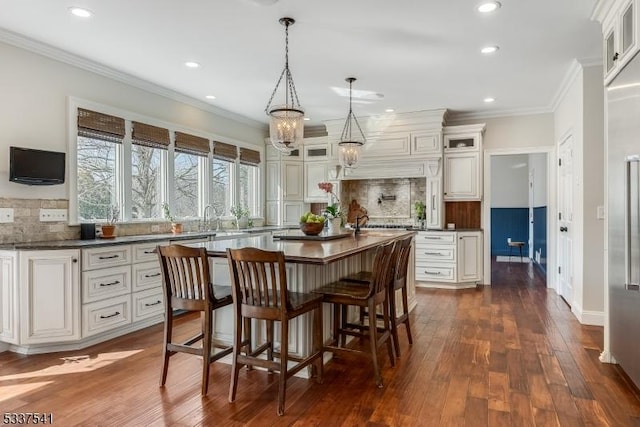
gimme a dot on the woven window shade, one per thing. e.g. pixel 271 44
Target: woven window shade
pixel 249 157
pixel 92 124
pixel 191 144
pixel 150 136
pixel 225 151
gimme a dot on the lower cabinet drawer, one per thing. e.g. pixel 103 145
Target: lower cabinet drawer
pixel 147 303
pixel 105 283
pixel 435 273
pixel 146 275
pixel 105 315
pixel 434 253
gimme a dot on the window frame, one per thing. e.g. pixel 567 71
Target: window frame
pixel 124 166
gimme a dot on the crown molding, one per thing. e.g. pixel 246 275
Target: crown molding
pixel 601 10
pixel 482 115
pixel 66 57
pixel 569 77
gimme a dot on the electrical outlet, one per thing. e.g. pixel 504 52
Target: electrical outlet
pixel 53 215
pixel 6 215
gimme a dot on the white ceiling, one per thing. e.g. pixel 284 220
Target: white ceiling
pixel 420 54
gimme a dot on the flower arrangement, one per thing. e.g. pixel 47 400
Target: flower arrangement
pixel 333 210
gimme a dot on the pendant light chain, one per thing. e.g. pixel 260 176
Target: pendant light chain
pixel 286 73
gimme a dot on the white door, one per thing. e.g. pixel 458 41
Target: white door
pixel 292 181
pixel 565 218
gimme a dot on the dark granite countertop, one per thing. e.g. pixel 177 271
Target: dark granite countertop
pixel 145 238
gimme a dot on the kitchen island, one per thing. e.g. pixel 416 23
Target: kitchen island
pixel 309 265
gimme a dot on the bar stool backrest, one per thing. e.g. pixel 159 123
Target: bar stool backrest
pixel 259 282
pixel 382 272
pixel 403 250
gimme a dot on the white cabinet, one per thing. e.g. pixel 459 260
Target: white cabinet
pixel 50 296
pixel 273 181
pixel 461 176
pixel 292 181
pixel 291 212
pixel 314 173
pixel 620 36
pixel 463 162
pixel 9 318
pixel 469 256
pixel 448 259
pixel 316 150
pixel 429 143
pixel 386 145
pixel 434 209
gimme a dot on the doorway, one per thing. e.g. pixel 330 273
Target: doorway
pixel 517 205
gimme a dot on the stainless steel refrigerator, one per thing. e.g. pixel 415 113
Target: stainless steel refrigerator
pixel 623 98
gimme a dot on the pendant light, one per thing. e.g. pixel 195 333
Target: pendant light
pixel 350 143
pixel 286 122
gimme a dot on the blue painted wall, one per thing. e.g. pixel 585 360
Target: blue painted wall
pixel 540 235
pixel 509 222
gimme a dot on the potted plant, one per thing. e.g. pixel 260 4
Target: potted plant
pixel 108 229
pixel 176 227
pixel 421 212
pixel 239 213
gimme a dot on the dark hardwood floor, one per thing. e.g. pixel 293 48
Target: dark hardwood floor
pixel 509 354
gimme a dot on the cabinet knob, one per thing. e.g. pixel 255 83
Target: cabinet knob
pixel 615 56
pixel 74 259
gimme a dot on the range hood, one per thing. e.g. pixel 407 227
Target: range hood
pixel 392 169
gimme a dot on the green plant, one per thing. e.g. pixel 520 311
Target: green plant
pixel 333 211
pixel 420 210
pixel 167 212
pixel 239 212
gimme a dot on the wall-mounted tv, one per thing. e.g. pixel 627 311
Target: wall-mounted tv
pixel 36 167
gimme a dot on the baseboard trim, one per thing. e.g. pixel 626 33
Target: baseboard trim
pixel 4 347
pixel 588 317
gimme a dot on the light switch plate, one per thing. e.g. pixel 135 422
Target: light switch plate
pixel 53 215
pixel 6 215
pixel 600 212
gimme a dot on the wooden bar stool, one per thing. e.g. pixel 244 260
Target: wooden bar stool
pixel 342 294
pixel 187 286
pixel 260 292
pixel 399 282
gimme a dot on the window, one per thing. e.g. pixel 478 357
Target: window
pixel 221 188
pixel 97 186
pixel 99 150
pixel 248 188
pixel 148 155
pixel 135 167
pixel 187 171
pixel 249 180
pixel 146 182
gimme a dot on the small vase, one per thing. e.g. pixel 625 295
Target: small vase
pixel 334 225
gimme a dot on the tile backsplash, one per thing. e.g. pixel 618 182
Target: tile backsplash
pixel 386 200
pixel 26 226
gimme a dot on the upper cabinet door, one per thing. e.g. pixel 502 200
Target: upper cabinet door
pixel 273 180
pixel 620 36
pixel 292 181
pixel 426 143
pixel 462 179
pixel 314 173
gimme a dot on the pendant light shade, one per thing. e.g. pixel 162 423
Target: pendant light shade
pixel 352 138
pixel 286 122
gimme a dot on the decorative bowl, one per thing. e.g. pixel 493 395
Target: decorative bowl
pixel 311 228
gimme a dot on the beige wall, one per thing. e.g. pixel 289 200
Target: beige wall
pixel 33 110
pixel 515 131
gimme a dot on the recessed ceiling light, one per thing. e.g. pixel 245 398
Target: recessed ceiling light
pixel 80 12
pixel 488 6
pixel 306 119
pixel 191 64
pixel 489 49
pixel 210 97
pixel 489 100
pixel 389 110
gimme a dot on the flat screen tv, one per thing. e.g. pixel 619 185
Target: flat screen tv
pixel 36 167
